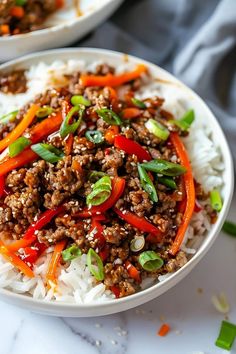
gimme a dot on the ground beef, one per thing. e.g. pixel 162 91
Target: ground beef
pixel 14 82
pixel 140 202
pixel 24 204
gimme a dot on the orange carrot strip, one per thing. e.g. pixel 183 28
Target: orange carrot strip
pixel 76 166
pixel 190 192
pixel 69 144
pixel 133 271
pixel 164 330
pixel 17 11
pixel 5 29
pixel 113 93
pixel 110 134
pixel 113 80
pixel 131 112
pixel 51 275
pixel 22 159
pixel 20 128
pixel 15 261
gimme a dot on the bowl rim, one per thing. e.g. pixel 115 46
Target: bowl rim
pixel 64 26
pixel 179 274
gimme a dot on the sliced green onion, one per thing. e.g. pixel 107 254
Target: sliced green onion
pixel 147 183
pixel 95 265
pixel 95 136
pixel 216 201
pixel 71 253
pixel 109 116
pixel 48 152
pixel 137 243
pixel 227 335
pixel 164 167
pixel 78 99
pixel 67 128
pixel 101 191
pixel 138 103
pixel 44 112
pixel 20 2
pixel 229 227
pixel 94 175
pixel 150 261
pixel 185 122
pixel 18 146
pixel 9 117
pixel 168 182
pixel 157 129
pixel 220 302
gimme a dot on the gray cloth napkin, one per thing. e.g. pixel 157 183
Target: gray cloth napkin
pixel 193 39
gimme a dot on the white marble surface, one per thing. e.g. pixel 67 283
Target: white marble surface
pixel 194 321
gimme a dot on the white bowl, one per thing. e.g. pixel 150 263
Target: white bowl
pixel 65 29
pixel 117 305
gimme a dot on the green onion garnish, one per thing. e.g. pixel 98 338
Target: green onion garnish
pixel 18 146
pixel 101 191
pixel 67 128
pixel 227 335
pixel 185 122
pixel 164 167
pixel 20 2
pixel 229 227
pixel 95 265
pixel 147 183
pixel 48 152
pixel 71 253
pixel 9 117
pixel 78 99
pixel 109 116
pixel 216 201
pixel 44 112
pixel 138 103
pixel 150 261
pixel 137 243
pixel 95 175
pixel 95 136
pixel 168 182
pixel 157 129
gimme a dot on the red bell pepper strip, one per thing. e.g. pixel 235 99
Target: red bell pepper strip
pixel 115 290
pixel 95 224
pixel 132 148
pixel 31 254
pixel 112 80
pixel 139 222
pixel 133 271
pixel 104 253
pixel 190 192
pixel 15 260
pixel 51 275
pixel 118 186
pixel 30 236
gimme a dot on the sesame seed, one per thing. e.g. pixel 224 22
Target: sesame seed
pixel 114 342
pixel 98 325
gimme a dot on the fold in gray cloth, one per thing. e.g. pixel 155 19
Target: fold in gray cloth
pixel 195 40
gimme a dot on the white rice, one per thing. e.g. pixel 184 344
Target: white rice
pixel 75 283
